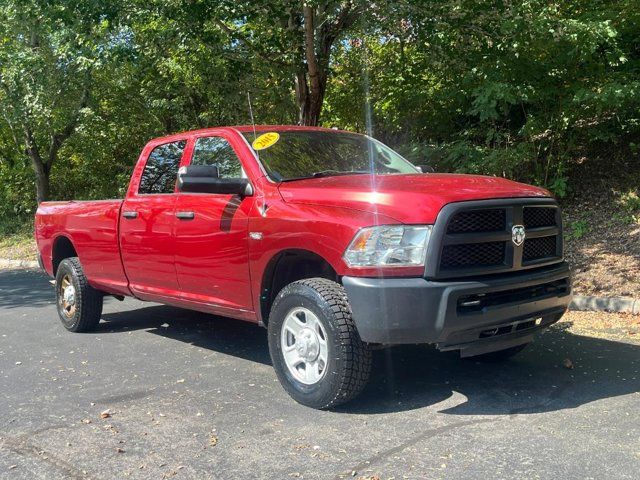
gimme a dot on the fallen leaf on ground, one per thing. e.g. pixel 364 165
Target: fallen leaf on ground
pixel 119 450
pixel 106 413
pixel 213 440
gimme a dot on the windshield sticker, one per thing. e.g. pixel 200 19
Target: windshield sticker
pixel 265 140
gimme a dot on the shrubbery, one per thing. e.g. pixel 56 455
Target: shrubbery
pixel 518 89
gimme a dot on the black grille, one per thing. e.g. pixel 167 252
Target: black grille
pixel 535 217
pixel 537 248
pixel 475 238
pixel 490 220
pixel 472 255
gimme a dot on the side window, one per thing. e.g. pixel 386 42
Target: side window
pixel 161 170
pixel 217 151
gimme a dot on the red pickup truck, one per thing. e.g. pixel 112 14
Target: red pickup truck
pixel 330 239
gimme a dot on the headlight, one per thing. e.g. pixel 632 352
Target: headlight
pixel 389 246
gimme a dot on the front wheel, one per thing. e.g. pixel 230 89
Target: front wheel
pixel 79 304
pixel 314 344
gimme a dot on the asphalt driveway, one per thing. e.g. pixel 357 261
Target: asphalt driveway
pixel 194 396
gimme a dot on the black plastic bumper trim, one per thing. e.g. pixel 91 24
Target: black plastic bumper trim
pixel 416 310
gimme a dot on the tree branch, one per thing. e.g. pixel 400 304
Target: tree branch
pixel 57 139
pixel 249 44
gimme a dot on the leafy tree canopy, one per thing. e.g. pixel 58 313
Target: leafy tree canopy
pixel 521 89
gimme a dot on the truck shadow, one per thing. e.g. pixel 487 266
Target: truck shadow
pixel 24 287
pixel 232 337
pixel 537 380
pixel 411 377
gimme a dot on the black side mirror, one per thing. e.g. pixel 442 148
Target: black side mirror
pixel 426 169
pixel 206 179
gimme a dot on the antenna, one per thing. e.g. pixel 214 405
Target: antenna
pixel 251 114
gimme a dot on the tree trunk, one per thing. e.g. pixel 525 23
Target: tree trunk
pixel 309 102
pixel 40 168
pixel 42 183
pixel 310 85
pixel 310 107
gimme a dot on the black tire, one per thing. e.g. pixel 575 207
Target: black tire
pixel 87 304
pixel 500 355
pixel 349 359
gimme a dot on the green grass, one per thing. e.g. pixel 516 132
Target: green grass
pixel 16 241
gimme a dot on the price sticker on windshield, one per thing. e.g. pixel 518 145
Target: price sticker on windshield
pixel 265 140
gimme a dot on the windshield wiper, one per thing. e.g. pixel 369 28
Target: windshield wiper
pixel 331 173
pixel 326 173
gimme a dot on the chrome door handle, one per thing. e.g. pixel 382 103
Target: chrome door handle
pixel 130 215
pixel 185 215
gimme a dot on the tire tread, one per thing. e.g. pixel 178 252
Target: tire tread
pixel 90 300
pixel 357 354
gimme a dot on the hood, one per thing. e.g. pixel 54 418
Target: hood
pixel 412 198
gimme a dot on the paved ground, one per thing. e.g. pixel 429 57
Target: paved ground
pixel 193 396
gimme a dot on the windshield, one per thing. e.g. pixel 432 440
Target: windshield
pixel 295 154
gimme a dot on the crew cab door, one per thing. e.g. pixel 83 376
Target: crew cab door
pixel 147 222
pixel 211 234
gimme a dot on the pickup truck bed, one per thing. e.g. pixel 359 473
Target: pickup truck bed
pixel 93 226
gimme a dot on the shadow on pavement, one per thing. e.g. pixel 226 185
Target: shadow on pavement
pixel 534 381
pixel 411 377
pixel 232 337
pixel 24 287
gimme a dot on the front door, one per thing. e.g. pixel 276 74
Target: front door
pixel 147 222
pixel 211 236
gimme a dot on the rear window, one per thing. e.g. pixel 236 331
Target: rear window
pixel 161 171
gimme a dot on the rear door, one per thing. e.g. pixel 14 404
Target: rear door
pixel 147 222
pixel 211 234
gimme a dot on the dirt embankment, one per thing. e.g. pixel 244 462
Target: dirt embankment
pixel 602 225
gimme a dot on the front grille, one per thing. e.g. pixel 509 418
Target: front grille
pixel 535 217
pixel 472 255
pixel 475 238
pixel 537 248
pixel 489 220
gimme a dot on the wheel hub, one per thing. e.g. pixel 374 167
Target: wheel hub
pixel 307 345
pixel 304 346
pixel 69 295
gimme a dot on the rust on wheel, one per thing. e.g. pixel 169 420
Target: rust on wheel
pixel 67 296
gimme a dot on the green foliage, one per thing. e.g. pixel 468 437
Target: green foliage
pixel 517 89
pixel 630 207
pixel 577 229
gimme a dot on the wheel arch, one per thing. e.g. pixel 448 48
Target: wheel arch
pixel 62 248
pixel 289 266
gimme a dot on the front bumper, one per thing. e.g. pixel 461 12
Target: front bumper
pixel 472 315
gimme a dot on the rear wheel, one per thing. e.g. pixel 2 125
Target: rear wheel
pixel 79 304
pixel 314 345
pixel 500 355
